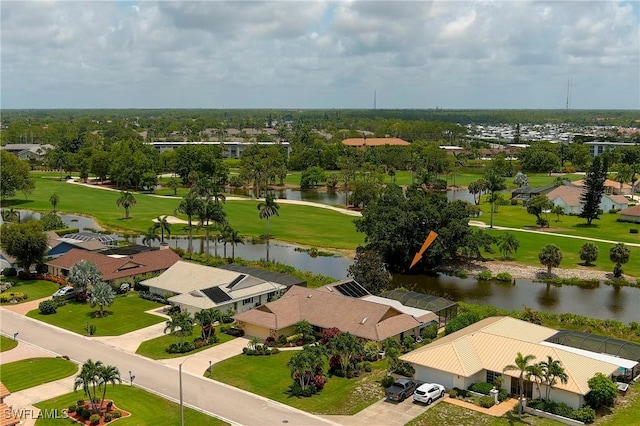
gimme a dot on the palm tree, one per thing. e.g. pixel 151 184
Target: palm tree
pixel 11 215
pixel 180 325
pixel 190 205
pixel 550 256
pixel 508 244
pixel 173 184
pixel 108 374
pixel 84 274
pixel 521 364
pixel 206 318
pixel 536 372
pixel 232 237
pixel 102 295
pixel 162 223
pixel 619 254
pixel 150 236
pixel 552 372
pixel 495 183
pixel 558 210
pixel 458 160
pixel 212 211
pixel 588 253
pixel 269 207
pixel 126 201
pixel 88 379
pixel 54 199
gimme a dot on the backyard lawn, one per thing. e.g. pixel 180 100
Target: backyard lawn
pixel 269 376
pixel 7 344
pixel 31 372
pixel 34 289
pixel 125 315
pixel 146 409
pixel 156 348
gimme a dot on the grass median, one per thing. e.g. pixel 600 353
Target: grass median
pixel 7 344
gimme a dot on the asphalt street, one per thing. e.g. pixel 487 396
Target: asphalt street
pixel 217 399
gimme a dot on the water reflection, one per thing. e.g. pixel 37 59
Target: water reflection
pixel 548 296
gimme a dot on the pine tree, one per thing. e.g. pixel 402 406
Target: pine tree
pixel 594 188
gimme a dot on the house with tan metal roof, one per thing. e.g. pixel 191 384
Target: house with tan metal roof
pixel 479 353
pixel 195 287
pixel 327 307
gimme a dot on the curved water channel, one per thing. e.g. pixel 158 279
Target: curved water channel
pixel 601 301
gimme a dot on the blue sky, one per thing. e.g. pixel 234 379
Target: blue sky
pixel 316 54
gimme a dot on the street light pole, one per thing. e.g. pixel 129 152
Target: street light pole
pixel 181 400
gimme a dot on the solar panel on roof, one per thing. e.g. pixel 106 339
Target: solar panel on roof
pixel 216 294
pixel 352 289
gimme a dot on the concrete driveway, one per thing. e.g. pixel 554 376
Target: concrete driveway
pixel 386 413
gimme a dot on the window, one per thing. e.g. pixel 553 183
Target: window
pixel 247 301
pixel 492 376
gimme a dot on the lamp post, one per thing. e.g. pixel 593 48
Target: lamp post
pixel 181 400
pixel 210 368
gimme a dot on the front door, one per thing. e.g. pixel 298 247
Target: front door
pixel 515 387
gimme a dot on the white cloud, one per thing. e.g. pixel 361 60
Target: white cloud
pixel 478 54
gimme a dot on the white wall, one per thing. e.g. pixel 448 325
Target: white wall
pixel 431 375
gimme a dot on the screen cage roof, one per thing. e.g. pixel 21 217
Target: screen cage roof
pixel 597 344
pixel 419 300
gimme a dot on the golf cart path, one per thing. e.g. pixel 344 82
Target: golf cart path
pixel 532 231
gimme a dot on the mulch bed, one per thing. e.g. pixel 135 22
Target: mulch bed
pixel 103 410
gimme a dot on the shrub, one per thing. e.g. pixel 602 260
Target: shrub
pixel 461 273
pixel 109 405
pixel 71 409
pixel 585 414
pixel 180 348
pixel 94 419
pixel 80 403
pixel 463 393
pixel 502 395
pixel 405 369
pixel 85 414
pixel 371 351
pixel 603 391
pixel 633 230
pixel 481 387
pixel 453 393
pixel 484 275
pixel 90 329
pixel 430 332
pixel 5 285
pixel 486 402
pixel 9 272
pixel 319 381
pixel 116 414
pixel 153 297
pixel 12 295
pixel 387 381
pixel 461 321
pixel 235 331
pixel 504 276
pixel 48 307
pixel 108 417
pixel 514 202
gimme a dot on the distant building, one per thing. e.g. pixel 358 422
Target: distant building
pixel 26 151
pixel 599 148
pixel 232 149
pixel 362 142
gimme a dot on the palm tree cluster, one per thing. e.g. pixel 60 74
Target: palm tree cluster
pixel 93 377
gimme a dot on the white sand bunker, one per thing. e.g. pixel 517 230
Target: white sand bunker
pixel 172 220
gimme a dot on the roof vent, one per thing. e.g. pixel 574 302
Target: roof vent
pixel 330 289
pixel 309 296
pixel 363 321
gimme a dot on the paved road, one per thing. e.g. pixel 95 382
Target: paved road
pixel 230 404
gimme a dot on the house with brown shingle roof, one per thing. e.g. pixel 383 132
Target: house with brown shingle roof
pixel 326 308
pixel 610 186
pixel 479 353
pixel 7 416
pixel 568 197
pixel 631 214
pixel 362 142
pixel 115 268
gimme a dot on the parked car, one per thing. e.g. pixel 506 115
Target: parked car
pixel 400 389
pixel 66 292
pixel 428 392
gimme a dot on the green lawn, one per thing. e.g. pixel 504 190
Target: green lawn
pixel 301 224
pixel 145 408
pixel 156 348
pixel 125 315
pixel 626 410
pixel 7 344
pixel 444 414
pixel 34 289
pixel 31 372
pixel 269 376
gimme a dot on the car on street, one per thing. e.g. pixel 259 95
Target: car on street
pixel 428 392
pixel 400 389
pixel 66 292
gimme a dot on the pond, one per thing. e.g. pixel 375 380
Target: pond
pixel 71 220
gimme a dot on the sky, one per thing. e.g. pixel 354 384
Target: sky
pixel 320 54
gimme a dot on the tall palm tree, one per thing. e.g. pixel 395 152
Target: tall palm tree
pixel 552 372
pixel 150 236
pixel 88 379
pixel 108 374
pixel 508 244
pixel 54 199
pixel 180 325
pixel 269 207
pixel 84 274
pixel 536 373
pixel 521 364
pixel 495 183
pixel 126 201
pixel 162 223
pixel 102 295
pixel 232 237
pixel 458 161
pixel 206 318
pixel 190 206
pixel 211 211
